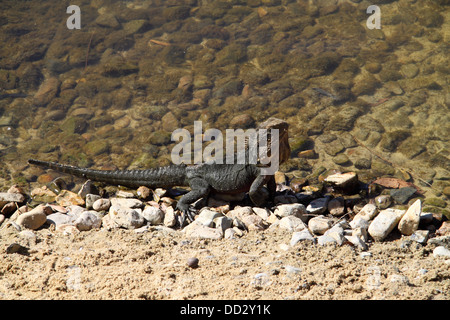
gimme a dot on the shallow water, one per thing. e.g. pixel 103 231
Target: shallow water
pixel 109 94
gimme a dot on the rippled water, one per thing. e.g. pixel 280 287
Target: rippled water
pixel 110 93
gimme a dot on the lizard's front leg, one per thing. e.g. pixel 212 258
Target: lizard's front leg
pixel 199 189
pixel 255 193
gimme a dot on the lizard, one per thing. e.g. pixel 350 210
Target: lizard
pixel 202 179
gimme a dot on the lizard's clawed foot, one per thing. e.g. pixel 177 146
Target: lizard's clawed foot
pixel 187 213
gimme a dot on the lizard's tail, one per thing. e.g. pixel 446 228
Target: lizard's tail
pixel 163 177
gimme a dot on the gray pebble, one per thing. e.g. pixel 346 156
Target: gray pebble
pixel 192 262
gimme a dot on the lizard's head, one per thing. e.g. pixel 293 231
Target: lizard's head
pixel 283 137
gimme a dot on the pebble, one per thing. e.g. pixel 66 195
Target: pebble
pixel 363 217
pixel 153 215
pixel 143 192
pixel 292 209
pixel 66 198
pixel 420 236
pixel 86 189
pixel 192 262
pixel 197 230
pixel 170 218
pixel 127 218
pixel 88 220
pixel 59 219
pixel 35 218
pixel 302 235
pixel 384 223
pixel 357 242
pixel 343 180
pixel 319 225
pixel 324 240
pixel 101 204
pixel 206 217
pixel 6 197
pixel 402 195
pixel 441 251
pixel 126 203
pixel 292 224
pixel 263 213
pixel 383 201
pixel 336 206
pixel 410 221
pixel 318 206
pixel 90 199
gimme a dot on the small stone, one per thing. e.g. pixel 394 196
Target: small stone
pixel 383 201
pixel 263 213
pixel 6 197
pixel 197 230
pixel 59 219
pixel 254 222
pixel 384 223
pixel 16 248
pixel 444 229
pixel 86 189
pixel 357 242
pixel 362 218
pixel 101 204
pixel 207 216
pixel 410 221
pixel 302 235
pixel 47 91
pixel 192 262
pixel 409 70
pixel 90 199
pixel 402 195
pixel 324 240
pixel 170 218
pixel 153 215
pixel 126 203
pixel 126 217
pixel 66 198
pixel 420 236
pixel 318 206
pixel 343 180
pixel 294 209
pixel 33 219
pixel 292 223
pixel 223 223
pixel 336 206
pixel 319 225
pixel 441 251
pixel 88 220
pixel 124 194
pixel 143 192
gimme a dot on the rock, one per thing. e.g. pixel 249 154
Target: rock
pixel 90 199
pixel 441 251
pixel 402 195
pixel 253 222
pixel 107 20
pixel 124 194
pixel 197 230
pixel 192 262
pixel 263 213
pixel 242 121
pixel 384 223
pixel 324 240
pixel 35 218
pixel 153 215
pixel 410 221
pixel 206 217
pixel 86 189
pixel 66 198
pixel 223 223
pixel 16 248
pixel 337 233
pixel 47 91
pixel 319 225
pixel 302 235
pixel 383 201
pixel 88 220
pixel 294 209
pixel 362 218
pixel 126 217
pixel 6 197
pixel 444 229
pixel 143 192
pixel 409 70
pixel 170 218
pixel 101 204
pixel 43 194
pixel 59 219
pixel 343 180
pixel 126 203
pixel 291 223
pixel 336 206
pixel 357 242
pixel 420 236
pixel 318 206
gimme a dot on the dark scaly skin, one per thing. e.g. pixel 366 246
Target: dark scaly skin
pixel 201 178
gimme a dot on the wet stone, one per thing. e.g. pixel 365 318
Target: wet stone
pixel 402 195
